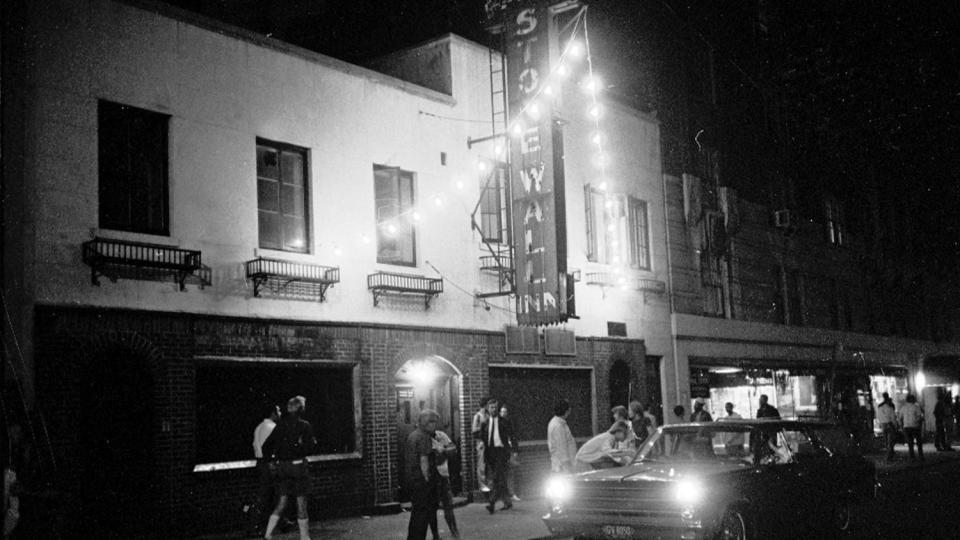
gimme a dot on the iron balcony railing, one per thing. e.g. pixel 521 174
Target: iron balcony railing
pixel 139 260
pixel 380 283
pixel 283 277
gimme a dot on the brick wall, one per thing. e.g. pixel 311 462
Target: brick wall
pixel 70 339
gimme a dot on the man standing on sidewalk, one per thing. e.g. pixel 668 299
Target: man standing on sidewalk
pixel 267 493
pixel 943 417
pixel 560 442
pixel 887 418
pixel 421 471
pixel 499 440
pixel 911 418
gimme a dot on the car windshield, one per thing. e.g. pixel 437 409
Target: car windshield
pixel 736 443
pixel 719 441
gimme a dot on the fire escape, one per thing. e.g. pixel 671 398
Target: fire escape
pixel 491 215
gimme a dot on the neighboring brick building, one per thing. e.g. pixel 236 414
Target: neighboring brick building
pixel 213 219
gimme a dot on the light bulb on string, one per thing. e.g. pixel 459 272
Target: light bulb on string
pixel 415 216
pixel 575 50
pixel 591 84
pixel 608 204
pixel 391 229
pixel 459 184
pixel 498 150
pixel 602 186
pixel 517 129
pixel 481 165
pixel 594 111
pixel 597 138
pixel 562 71
pixel 533 110
pixel 547 90
pixel 365 239
pixel 437 200
pixel 337 251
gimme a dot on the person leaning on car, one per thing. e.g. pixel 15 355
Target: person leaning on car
pixel 601 451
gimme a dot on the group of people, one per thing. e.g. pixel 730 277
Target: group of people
pixel 281 444
pixel 908 420
pixel 615 446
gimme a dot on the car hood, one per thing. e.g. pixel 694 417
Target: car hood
pixel 659 472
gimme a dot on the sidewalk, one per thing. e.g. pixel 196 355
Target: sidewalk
pixel 523 521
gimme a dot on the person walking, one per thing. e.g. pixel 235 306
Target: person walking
pixel 601 452
pixel 943 417
pixel 513 462
pixel 733 442
pixel 266 494
pixel 700 414
pixel 887 418
pixel 480 418
pixel 421 475
pixel 560 442
pixel 910 416
pixel 444 450
pixel 288 445
pixel 498 438
pixel 766 410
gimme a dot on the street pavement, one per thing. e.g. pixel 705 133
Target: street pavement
pixel 915 498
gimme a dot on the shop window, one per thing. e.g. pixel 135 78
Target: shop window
pixel 396 216
pixel 133 167
pixel 534 391
pixel 282 198
pixel 230 396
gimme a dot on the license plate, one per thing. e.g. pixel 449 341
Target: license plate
pixel 618 531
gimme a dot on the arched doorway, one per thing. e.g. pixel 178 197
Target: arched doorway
pixel 427 383
pixel 117 440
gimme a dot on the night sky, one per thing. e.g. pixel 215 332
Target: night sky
pixel 870 90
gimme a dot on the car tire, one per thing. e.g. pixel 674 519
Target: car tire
pixel 733 526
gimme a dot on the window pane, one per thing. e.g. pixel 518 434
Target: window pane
pixel 394 192
pixel 291 201
pixel 268 197
pixel 269 230
pixel 267 166
pixel 293 237
pixel 292 168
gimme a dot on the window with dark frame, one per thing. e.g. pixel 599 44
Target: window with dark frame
pixel 133 167
pixel 395 199
pixel 282 197
pixel 606 218
pixel 231 396
pixel 639 234
pixel 493 210
pixel 833 215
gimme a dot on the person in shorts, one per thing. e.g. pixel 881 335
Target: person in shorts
pixel 287 448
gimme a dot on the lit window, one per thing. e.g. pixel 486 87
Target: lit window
pixel 639 235
pixel 282 197
pixel 395 205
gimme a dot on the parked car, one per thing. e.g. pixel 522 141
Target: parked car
pixel 736 479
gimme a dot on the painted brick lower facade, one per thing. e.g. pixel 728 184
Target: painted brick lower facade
pixel 69 341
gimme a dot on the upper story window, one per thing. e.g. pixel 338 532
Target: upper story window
pixel 618 229
pixel 282 206
pixel 133 169
pixel 493 208
pixel 639 234
pixel 396 215
pixel 833 214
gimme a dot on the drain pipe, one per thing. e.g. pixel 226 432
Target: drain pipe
pixel 672 302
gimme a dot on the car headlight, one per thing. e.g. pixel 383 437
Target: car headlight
pixel 557 489
pixel 688 491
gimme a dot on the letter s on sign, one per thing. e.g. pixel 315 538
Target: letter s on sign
pixel 527 21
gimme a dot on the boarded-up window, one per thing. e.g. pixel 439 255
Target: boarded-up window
pixel 231 396
pixel 532 392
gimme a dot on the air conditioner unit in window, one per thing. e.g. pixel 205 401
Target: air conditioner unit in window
pixel 781 219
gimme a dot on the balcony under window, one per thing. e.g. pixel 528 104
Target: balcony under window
pixel 381 283
pixel 290 279
pixel 138 260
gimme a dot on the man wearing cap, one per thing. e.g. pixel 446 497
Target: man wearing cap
pixel 700 414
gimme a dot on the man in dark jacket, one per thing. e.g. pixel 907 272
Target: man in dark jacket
pixel 943 417
pixel 766 410
pixel 499 439
pixel 287 447
pixel 421 475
